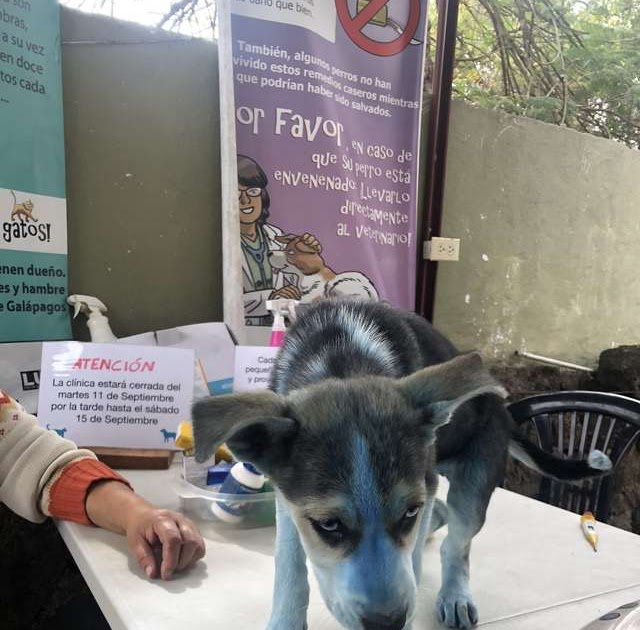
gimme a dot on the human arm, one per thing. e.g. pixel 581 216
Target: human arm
pixel 43 474
pixel 40 471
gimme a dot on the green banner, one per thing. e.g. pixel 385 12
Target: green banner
pixel 33 221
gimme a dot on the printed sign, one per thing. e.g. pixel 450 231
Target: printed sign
pixel 253 367
pixel 20 372
pixel 33 222
pixel 115 394
pixel 327 120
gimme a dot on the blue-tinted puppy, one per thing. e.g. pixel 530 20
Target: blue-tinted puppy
pixel 347 434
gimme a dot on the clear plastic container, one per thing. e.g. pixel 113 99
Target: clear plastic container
pixel 197 499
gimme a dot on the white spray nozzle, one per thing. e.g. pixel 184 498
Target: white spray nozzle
pixel 282 307
pixel 97 321
pixel 86 304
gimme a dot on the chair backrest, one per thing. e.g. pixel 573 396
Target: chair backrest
pixel 571 424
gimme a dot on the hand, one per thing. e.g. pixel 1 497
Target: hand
pixel 288 292
pixel 312 242
pixel 163 541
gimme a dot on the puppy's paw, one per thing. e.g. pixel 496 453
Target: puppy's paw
pixel 456 609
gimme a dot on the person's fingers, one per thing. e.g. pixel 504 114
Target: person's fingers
pixel 170 538
pixel 289 292
pixel 312 241
pixel 192 544
pixel 144 554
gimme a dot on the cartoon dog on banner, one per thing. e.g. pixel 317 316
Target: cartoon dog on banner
pixel 366 405
pixel 301 257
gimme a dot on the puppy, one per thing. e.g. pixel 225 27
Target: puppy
pixel 367 405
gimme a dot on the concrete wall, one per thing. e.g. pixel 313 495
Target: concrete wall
pixel 550 224
pixel 143 183
pixel 548 217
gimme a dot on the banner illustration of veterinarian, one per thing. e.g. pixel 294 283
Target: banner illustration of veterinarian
pixel 327 121
pixel 33 223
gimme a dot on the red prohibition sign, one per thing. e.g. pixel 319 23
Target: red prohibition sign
pixel 353 25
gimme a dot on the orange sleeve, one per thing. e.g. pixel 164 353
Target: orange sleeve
pixel 68 492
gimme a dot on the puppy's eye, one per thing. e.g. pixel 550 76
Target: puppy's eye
pixel 404 526
pixel 331 530
pixel 331 525
pixel 412 512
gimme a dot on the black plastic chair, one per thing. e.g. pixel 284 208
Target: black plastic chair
pixel 571 424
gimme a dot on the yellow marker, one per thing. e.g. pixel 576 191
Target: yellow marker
pixel 588 524
pixel 223 453
pixel 184 439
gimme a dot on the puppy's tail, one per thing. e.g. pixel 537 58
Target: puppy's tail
pixel 596 464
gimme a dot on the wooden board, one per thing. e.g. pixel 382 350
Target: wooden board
pixel 134 458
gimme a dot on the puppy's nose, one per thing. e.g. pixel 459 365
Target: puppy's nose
pixel 385 622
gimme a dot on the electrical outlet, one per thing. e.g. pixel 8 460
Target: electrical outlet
pixel 439 248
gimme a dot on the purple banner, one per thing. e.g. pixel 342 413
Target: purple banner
pixel 327 104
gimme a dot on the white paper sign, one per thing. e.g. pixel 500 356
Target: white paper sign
pixel 318 16
pixel 253 367
pixel 115 394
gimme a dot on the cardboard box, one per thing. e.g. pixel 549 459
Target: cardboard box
pixel 214 347
pixel 20 372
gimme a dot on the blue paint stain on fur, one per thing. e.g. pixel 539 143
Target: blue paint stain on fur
pixel 368 568
pixel 365 492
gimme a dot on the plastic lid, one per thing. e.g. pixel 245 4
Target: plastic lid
pixel 219 511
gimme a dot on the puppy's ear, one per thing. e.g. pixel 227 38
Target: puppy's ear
pixel 440 389
pixel 252 424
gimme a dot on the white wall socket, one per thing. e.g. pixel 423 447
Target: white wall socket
pixel 439 248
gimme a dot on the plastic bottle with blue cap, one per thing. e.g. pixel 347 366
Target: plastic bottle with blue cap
pixel 243 479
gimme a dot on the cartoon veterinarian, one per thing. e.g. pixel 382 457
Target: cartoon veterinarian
pixel 258 238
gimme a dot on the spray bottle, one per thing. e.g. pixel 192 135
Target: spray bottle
pixel 280 309
pixel 97 322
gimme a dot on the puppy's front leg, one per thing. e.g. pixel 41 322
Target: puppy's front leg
pixel 467 508
pixel 291 587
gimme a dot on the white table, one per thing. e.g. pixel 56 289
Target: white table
pixel 530 569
